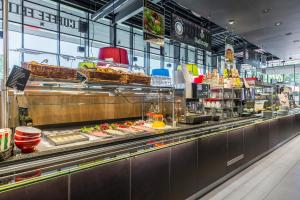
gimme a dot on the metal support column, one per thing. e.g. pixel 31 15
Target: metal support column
pixel 58 34
pixel 196 56
pixel 294 77
pixel 113 32
pixel 186 54
pixel 206 67
pixel 87 38
pixel 4 91
pixel 176 55
pixel 162 57
pixel 131 43
pixel 147 58
pixel 22 31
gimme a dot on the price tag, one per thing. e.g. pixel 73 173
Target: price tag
pixel 18 78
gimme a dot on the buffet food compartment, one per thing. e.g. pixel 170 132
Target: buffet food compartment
pixel 66 137
pixel 98 74
pixel 50 72
pixel 137 78
pixel 104 75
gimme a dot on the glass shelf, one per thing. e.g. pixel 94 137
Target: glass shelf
pixel 69 57
pixel 69 86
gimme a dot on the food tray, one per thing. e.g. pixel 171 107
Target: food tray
pixel 104 77
pixel 43 79
pixel 101 135
pixel 130 130
pixel 138 79
pixel 68 138
pixel 50 72
pixel 116 132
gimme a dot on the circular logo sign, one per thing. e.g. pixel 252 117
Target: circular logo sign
pixel 179 28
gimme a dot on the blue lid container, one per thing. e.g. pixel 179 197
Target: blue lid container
pixel 160 72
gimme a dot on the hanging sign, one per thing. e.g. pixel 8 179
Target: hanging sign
pixel 185 31
pixel 154 23
pixel 229 55
pixel 229 52
pixel 18 78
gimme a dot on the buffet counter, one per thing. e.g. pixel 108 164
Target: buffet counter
pixel 174 164
pixel 45 149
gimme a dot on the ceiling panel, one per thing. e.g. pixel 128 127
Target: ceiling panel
pixel 218 33
pixel 255 25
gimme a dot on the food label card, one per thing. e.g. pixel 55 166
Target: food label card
pixel 18 78
pixel 81 77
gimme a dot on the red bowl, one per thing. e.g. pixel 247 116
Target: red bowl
pixel 28 131
pixel 25 138
pixel 27 146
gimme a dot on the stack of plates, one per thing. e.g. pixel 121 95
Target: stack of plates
pixel 27 138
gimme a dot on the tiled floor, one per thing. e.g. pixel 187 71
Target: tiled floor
pixel 275 177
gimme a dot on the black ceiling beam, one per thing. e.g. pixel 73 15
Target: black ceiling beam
pixel 129 11
pixel 111 7
pixel 218 38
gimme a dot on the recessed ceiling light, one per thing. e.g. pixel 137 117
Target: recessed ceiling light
pixel 288 34
pixel 278 23
pixel 267 10
pixel 295 41
pixel 231 22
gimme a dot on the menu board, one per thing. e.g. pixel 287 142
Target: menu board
pixel 185 31
pixel 153 23
pixel 18 78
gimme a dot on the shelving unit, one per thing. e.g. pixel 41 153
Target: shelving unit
pixel 225 102
pixel 267 94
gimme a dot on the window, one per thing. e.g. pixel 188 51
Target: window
pixel 183 57
pixel 138 48
pixel 99 32
pixel 69 46
pixel 94 48
pixel 138 41
pixel 191 55
pixel 42 32
pixel 169 65
pixel 169 49
pixel 40 17
pixel 154 63
pixel 123 36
